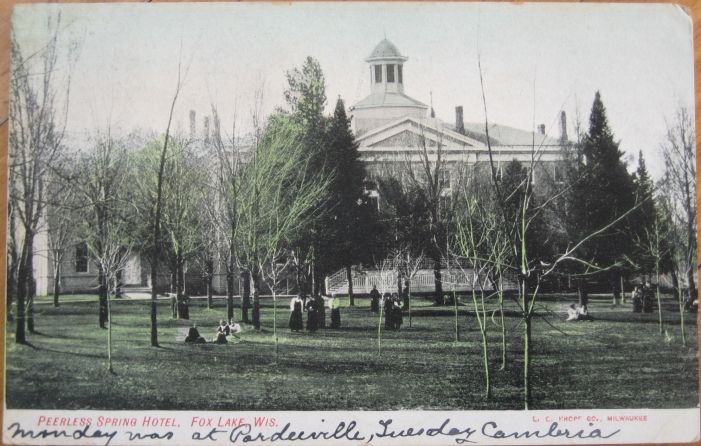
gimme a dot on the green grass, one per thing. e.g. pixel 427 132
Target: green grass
pixel 617 361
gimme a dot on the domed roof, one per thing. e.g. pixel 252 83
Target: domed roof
pixel 385 50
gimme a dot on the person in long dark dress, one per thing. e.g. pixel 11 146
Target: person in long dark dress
pixel 312 319
pixel 320 311
pixel 335 304
pixel 374 300
pixel 296 320
pixel 387 308
pixel 397 317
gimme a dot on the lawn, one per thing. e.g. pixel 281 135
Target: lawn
pixel 618 360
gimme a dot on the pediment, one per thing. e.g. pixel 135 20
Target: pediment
pixel 411 133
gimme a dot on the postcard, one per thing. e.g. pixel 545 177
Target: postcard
pixel 351 223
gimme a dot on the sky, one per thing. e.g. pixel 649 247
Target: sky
pixel 537 59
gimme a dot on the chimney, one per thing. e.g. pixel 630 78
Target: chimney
pixel 459 122
pixel 193 125
pixel 541 129
pixel 563 127
pixel 206 129
pixel 217 132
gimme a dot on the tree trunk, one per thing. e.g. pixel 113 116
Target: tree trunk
pixel 22 279
pixel 526 362
pixel 154 301
pixel 582 291
pixel 245 296
pixel 180 288
pixel 438 281
pixel 255 284
pixel 615 287
pixel 31 288
pixel 229 292
pixel 657 293
pixel 102 297
pixel 109 336
pixel 349 277
pixel 210 279
pixel 57 285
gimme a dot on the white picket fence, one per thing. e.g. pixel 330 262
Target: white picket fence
pixel 422 282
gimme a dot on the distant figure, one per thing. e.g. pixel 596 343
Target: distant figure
pixel 320 311
pixel 405 294
pixel 296 321
pixel 397 317
pixel 222 333
pixel 387 305
pixel 335 305
pixel 638 299
pixel 193 336
pixel 648 297
pixel 312 318
pixel 374 299
pixel 572 313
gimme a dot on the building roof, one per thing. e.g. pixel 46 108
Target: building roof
pixel 389 99
pixel 502 135
pixel 385 50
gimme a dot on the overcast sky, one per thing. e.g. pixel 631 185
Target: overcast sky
pixel 536 60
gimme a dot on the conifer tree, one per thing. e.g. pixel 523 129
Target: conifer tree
pixel 603 192
pixel 352 216
pixel 644 218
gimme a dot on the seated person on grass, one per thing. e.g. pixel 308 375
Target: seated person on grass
pixel 234 328
pixel 222 333
pixel 583 314
pixel 193 336
pixel 572 313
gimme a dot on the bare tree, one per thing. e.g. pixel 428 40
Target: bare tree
pixel 679 185
pixel 158 205
pixel 278 198
pixel 39 107
pixel 61 222
pixel 519 221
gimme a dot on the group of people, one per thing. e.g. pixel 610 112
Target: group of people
pixel 316 312
pixel 393 311
pixel 391 305
pixel 643 298
pixel 224 331
pixel 578 313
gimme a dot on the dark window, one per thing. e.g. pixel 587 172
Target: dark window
pixel 559 173
pixel 399 74
pixel 374 202
pixel 390 73
pixel 81 258
pixel 378 73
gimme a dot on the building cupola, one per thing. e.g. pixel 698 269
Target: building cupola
pixel 386 68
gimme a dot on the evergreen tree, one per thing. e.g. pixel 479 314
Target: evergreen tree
pixel 644 218
pixel 602 193
pixel 352 217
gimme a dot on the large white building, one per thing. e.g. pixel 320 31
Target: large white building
pixel 390 127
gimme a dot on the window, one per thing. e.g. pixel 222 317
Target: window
pixel 81 258
pixel 444 179
pixel 390 73
pixel 559 174
pixel 378 74
pixel 399 73
pixel 444 205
